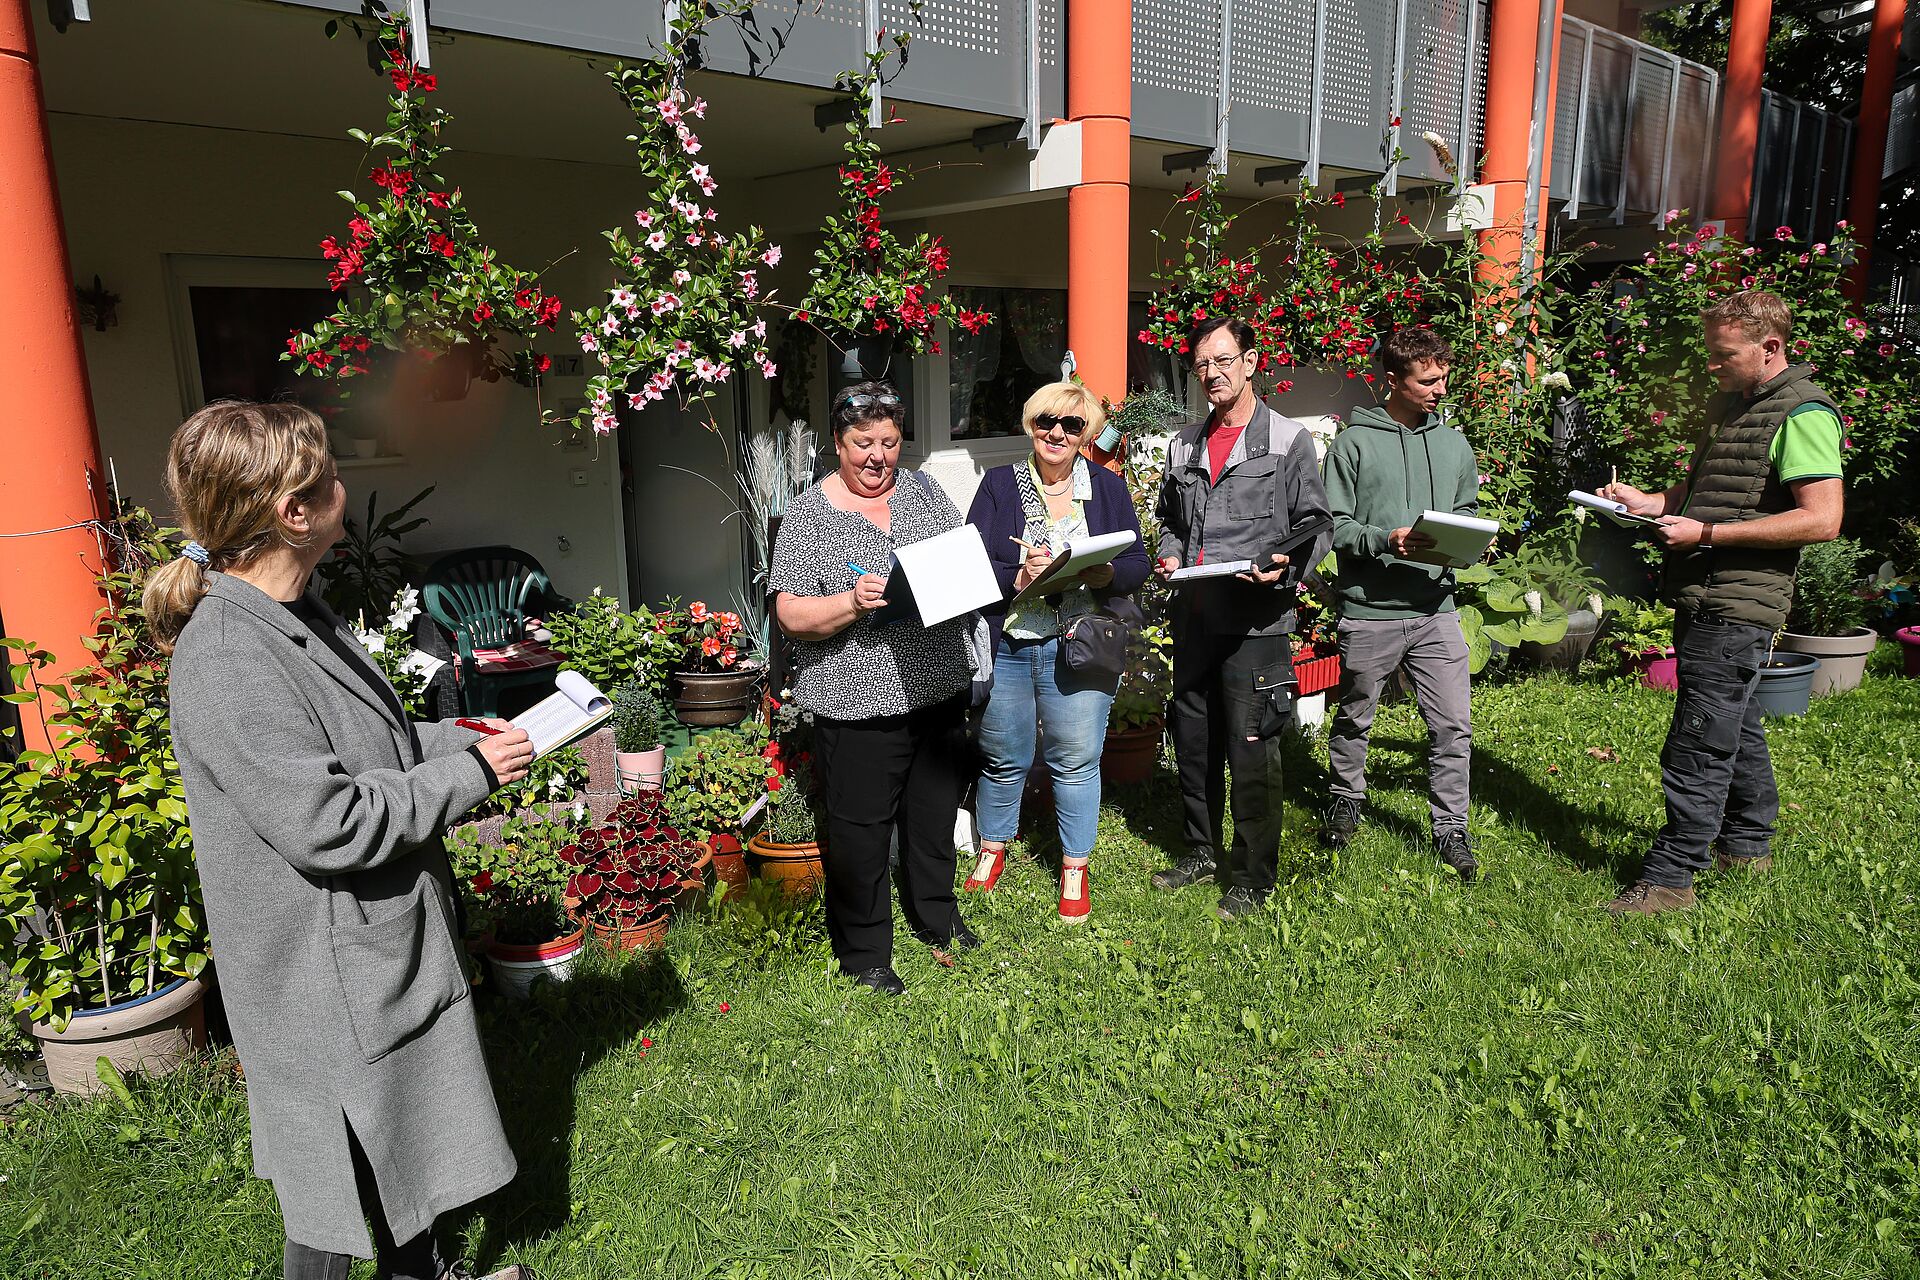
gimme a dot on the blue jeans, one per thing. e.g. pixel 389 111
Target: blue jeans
pixel 1035 695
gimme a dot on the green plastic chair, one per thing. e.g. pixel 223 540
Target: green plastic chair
pixel 483 596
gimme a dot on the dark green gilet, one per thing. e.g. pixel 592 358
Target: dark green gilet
pixel 1733 480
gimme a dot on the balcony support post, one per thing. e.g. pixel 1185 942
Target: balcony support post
pixel 1100 101
pixel 1870 142
pixel 1740 116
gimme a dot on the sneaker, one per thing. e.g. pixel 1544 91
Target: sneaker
pixel 1075 900
pixel 986 871
pixel 1237 902
pixel 1341 822
pixel 1195 868
pixel 458 1271
pixel 1756 862
pixel 882 980
pixel 1645 899
pixel 1454 850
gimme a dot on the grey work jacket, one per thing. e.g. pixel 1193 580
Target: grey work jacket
pixel 1270 485
pixel 317 812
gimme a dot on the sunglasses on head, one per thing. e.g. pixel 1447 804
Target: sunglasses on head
pixel 1070 424
pixel 885 399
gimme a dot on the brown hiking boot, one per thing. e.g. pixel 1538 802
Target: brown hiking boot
pixel 1734 862
pixel 1645 899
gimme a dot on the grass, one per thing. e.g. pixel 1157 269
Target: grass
pixel 1387 1074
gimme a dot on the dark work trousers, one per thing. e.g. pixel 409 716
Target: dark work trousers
pixel 417 1259
pixel 1231 695
pixel 906 772
pixel 1714 768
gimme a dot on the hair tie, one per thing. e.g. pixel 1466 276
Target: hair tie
pixel 198 554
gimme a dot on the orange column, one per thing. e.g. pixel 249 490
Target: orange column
pixel 1513 56
pixel 1100 101
pixel 1870 135
pixel 1740 115
pixel 50 476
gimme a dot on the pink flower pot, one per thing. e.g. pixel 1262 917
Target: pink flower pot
pixel 1662 673
pixel 1909 638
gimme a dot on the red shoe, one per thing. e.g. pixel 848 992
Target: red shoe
pixel 986 872
pixel 1075 901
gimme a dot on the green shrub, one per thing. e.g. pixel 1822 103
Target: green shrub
pixel 1826 599
pixel 636 717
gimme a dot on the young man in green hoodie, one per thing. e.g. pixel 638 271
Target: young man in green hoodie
pixel 1390 464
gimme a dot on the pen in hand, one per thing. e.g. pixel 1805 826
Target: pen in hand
pixel 477 726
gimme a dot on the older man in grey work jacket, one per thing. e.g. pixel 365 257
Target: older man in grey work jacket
pixel 1237 484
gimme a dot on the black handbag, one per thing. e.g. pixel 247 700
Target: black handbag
pixel 1096 643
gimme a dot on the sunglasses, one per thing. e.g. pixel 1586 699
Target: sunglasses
pixel 886 400
pixel 1070 426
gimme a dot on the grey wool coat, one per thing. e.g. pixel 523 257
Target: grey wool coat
pixel 317 812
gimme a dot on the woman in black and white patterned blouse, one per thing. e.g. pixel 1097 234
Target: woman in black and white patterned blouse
pixel 889 703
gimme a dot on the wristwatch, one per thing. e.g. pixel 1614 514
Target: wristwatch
pixel 1706 536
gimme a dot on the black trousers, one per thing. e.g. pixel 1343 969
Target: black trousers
pixel 1715 769
pixel 891 773
pixel 417 1259
pixel 1231 695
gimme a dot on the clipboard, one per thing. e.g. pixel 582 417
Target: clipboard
pixel 1297 537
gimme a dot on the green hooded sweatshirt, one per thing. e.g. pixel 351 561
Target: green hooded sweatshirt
pixel 1379 477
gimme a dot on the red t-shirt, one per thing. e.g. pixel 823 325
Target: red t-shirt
pixel 1220 442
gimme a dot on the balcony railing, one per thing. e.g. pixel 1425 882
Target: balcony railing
pixel 1801 167
pixel 1633 127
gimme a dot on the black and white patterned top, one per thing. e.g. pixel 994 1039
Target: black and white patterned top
pixel 866 671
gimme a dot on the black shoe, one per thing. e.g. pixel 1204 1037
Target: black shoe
pixel 1237 902
pixel 1454 851
pixel 964 938
pixel 883 980
pixel 1342 820
pixel 1195 868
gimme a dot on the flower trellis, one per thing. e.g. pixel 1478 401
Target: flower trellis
pixel 413 273
pixel 867 281
pixel 684 315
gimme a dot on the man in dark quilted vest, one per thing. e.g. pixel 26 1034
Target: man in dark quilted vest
pixel 1765 482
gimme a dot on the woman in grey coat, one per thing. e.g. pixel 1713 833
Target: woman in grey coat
pixel 317 810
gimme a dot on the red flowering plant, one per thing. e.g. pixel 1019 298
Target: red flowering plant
pixel 867 281
pixel 413 273
pixel 1198 279
pixel 1635 354
pixel 683 314
pixel 704 639
pixel 627 871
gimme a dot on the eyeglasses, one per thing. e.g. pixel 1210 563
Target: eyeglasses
pixel 861 401
pixel 1070 426
pixel 1222 363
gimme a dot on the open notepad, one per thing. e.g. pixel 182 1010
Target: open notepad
pixel 1614 511
pixel 1081 555
pixel 938 578
pixel 574 709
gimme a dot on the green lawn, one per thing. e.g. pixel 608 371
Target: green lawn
pixel 1386 1075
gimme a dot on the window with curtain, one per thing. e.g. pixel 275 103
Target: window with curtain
pixel 991 373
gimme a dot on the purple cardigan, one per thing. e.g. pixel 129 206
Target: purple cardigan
pixel 997 514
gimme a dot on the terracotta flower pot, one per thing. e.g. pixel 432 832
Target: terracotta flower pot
pixel 154 1033
pixel 729 860
pixel 714 698
pixel 1909 638
pixel 641 935
pixel 795 867
pixel 516 967
pixel 694 885
pixel 1128 758
pixel 1843 659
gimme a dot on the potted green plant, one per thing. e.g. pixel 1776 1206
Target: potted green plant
pixel 516 886
pixel 718 784
pixel 368 568
pixel 1829 615
pixel 1554 567
pixel 626 874
pixel 553 786
pixel 1500 607
pixel 1642 634
pixel 712 679
pixel 101 925
pixel 786 849
pixel 638 753
pixel 1138 720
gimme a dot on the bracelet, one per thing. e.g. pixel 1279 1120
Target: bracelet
pixel 1706 536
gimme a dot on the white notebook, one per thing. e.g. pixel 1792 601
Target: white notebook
pixel 1458 541
pixel 574 708
pixel 1614 511
pixel 1081 554
pixel 939 578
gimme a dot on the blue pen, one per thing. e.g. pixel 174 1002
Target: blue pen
pixel 857 570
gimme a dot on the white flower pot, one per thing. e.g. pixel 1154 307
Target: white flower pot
pixel 516 969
